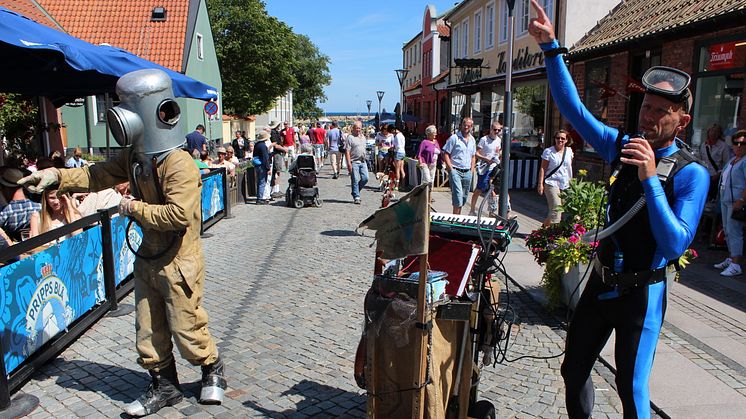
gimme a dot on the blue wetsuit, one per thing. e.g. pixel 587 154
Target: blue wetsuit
pixel 659 233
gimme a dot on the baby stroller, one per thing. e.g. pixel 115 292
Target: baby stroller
pixel 302 189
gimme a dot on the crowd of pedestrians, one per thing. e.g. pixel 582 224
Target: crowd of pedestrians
pixel 24 215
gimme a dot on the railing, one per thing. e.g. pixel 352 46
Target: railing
pixel 56 287
pixel 50 297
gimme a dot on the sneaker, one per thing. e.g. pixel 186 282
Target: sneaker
pixel 724 264
pixel 357 201
pixel 733 269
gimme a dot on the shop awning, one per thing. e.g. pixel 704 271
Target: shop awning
pixel 41 61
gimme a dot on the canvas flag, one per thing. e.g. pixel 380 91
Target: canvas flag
pixel 403 228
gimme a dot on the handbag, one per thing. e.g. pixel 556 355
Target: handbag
pixel 739 214
pixel 256 161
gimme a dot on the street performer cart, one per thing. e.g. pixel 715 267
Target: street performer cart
pixel 430 311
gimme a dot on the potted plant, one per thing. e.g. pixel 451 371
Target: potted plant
pixel 560 248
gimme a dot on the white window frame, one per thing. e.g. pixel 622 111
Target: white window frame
pixel 478 31
pixel 524 17
pixel 200 47
pixel 465 34
pixel 504 23
pixel 548 6
pixel 489 29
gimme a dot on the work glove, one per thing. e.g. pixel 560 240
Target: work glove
pixel 40 180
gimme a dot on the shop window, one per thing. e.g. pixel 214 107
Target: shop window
pixel 596 76
pixel 719 87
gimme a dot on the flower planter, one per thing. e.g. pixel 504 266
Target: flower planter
pixel 569 297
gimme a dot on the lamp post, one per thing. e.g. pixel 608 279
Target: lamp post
pixel 507 115
pixel 401 74
pixel 380 94
pixel 368 103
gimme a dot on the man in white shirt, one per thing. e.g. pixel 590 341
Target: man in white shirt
pixel 488 158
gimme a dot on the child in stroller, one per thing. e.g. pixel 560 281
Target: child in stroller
pixel 302 187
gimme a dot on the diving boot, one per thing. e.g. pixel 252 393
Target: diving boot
pixel 213 383
pixel 164 391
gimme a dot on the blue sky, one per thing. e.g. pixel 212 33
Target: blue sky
pixel 363 40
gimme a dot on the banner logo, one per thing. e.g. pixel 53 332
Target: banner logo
pixel 49 310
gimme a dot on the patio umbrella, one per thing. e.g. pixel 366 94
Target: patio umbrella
pixel 42 61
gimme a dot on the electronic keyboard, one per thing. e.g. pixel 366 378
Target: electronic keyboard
pixel 468 227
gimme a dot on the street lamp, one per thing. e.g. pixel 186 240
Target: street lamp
pixel 380 94
pixel 368 103
pixel 401 74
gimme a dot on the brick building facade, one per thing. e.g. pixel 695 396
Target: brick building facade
pixel 607 63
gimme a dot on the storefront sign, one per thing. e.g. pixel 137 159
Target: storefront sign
pixel 524 60
pixel 722 56
pixel 469 70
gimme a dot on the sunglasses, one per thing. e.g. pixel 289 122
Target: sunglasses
pixel 738 143
pixel 560 138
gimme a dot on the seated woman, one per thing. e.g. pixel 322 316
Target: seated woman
pixel 55 212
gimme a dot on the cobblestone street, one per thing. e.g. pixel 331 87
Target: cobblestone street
pixel 284 292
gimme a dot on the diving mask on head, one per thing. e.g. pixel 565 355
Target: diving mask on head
pixel 669 83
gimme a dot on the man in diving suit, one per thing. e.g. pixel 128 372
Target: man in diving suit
pixel 169 269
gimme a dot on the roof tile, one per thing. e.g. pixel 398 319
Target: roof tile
pixel 30 10
pixel 634 19
pixel 127 25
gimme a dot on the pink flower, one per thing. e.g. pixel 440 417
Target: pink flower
pixel 573 239
pixel 694 253
pixel 579 229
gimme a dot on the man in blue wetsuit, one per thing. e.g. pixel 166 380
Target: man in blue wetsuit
pixel 626 291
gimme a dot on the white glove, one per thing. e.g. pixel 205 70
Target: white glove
pixel 125 205
pixel 40 180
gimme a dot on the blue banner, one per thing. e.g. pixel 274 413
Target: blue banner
pixel 41 295
pixel 212 195
pixel 124 259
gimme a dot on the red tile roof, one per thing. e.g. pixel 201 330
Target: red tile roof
pixel 126 24
pixel 636 19
pixel 444 30
pixel 440 77
pixel 31 11
pixel 413 86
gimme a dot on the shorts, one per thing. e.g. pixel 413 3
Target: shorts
pixel 278 161
pixel 483 181
pixel 400 155
pixel 318 150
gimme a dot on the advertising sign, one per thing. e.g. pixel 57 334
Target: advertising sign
pixel 722 56
pixel 124 259
pixel 41 295
pixel 212 196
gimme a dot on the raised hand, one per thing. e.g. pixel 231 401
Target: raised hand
pixel 541 27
